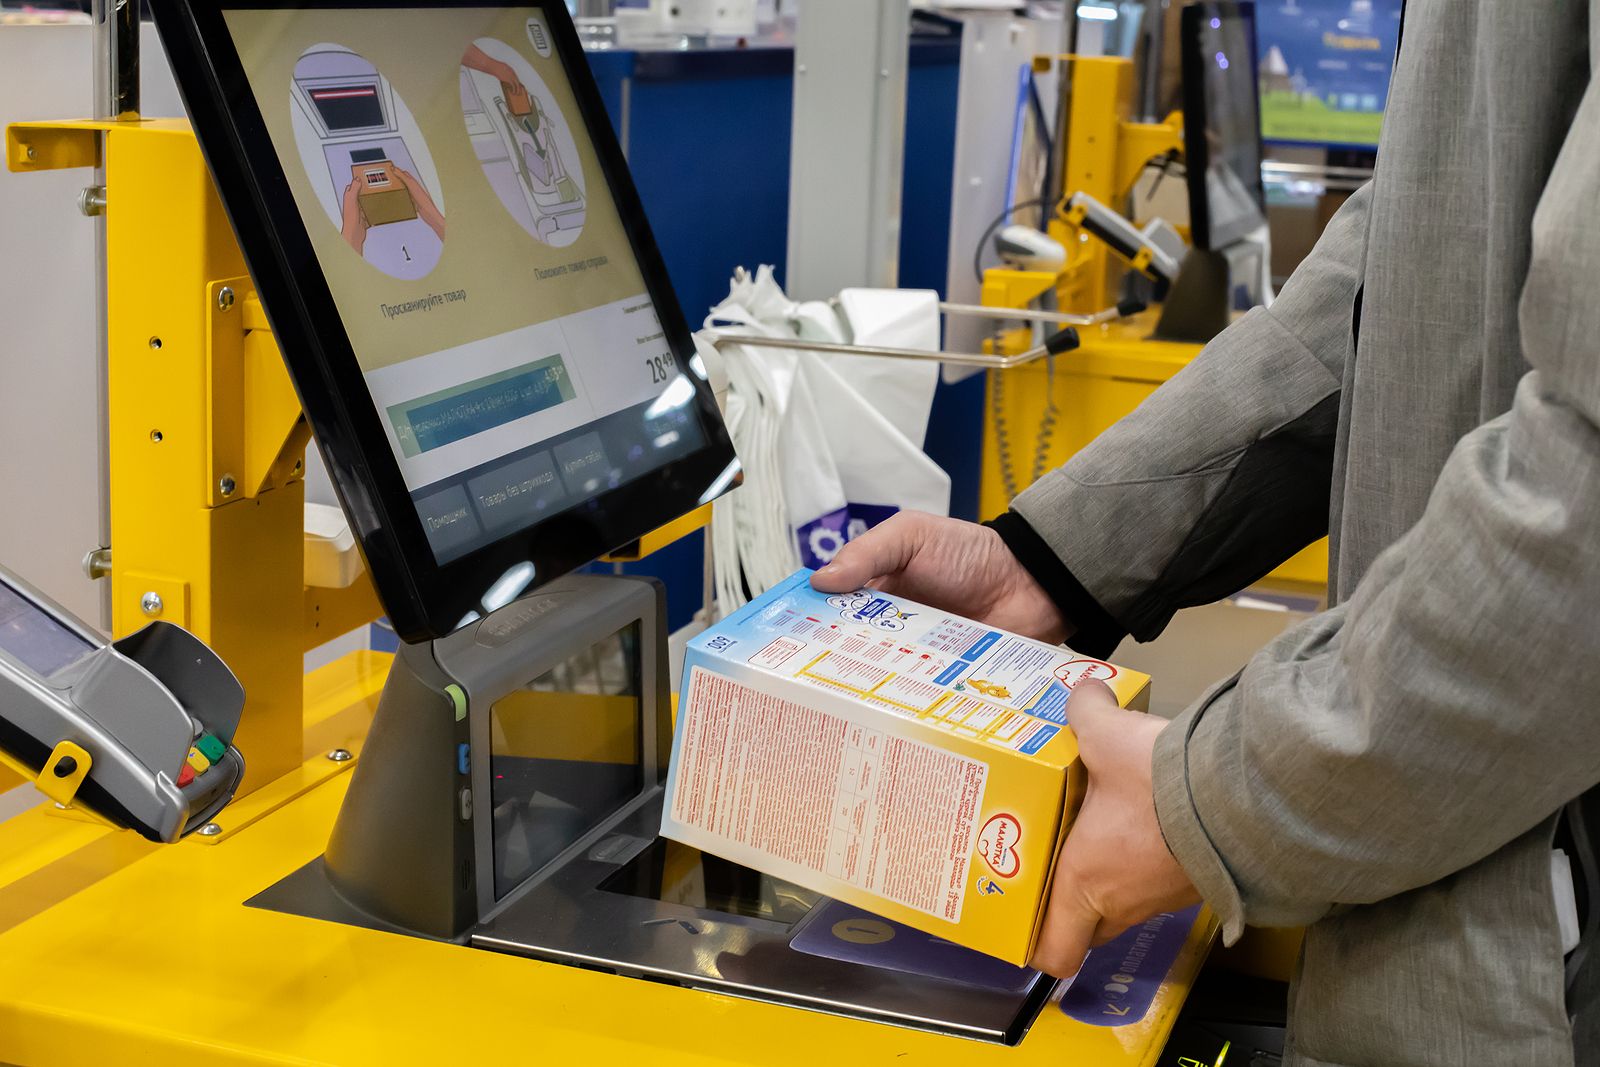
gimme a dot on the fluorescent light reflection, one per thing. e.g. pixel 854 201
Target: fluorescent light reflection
pixel 725 479
pixel 508 587
pixel 675 396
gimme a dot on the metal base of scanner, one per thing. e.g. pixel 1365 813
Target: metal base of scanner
pixel 465 825
pixel 587 914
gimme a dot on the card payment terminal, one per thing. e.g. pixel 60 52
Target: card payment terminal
pixel 138 731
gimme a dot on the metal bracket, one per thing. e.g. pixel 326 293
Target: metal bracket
pixel 1140 143
pixel 253 416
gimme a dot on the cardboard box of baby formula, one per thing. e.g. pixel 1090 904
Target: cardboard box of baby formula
pixel 901 759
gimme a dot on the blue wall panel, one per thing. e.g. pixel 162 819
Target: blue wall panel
pixel 708 143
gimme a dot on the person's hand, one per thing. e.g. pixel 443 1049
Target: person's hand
pixel 477 59
pixel 513 84
pixel 1115 870
pixel 949 564
pixel 426 209
pixel 409 180
pixel 354 226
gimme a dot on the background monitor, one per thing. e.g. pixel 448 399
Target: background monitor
pixel 1221 124
pixel 457 268
pixel 1324 70
pixel 1028 178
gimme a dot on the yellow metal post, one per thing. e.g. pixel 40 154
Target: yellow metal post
pixel 206 439
pixel 189 512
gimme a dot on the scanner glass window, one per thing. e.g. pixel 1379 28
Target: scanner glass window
pixel 675 873
pixel 566 753
pixel 34 639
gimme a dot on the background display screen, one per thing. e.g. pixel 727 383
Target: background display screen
pixel 1325 68
pixel 482 271
pixel 33 638
pixel 1224 53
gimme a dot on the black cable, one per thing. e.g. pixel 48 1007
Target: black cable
pixel 983 242
pixel 1168 162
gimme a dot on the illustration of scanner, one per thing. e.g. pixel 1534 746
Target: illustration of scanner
pixel 351 128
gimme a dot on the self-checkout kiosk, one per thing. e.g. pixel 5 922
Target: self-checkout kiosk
pixel 452 855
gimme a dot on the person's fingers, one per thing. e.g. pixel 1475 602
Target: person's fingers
pixel 1106 933
pixel 1092 705
pixel 880 551
pixel 1068 931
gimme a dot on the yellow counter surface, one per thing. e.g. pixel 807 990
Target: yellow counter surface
pixel 159 962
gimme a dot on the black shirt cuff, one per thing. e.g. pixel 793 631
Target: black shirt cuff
pixel 1097 633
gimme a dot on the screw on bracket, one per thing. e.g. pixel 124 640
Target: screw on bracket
pixel 151 603
pixel 225 298
pixel 227 485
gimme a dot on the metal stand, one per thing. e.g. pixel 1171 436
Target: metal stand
pixel 116 97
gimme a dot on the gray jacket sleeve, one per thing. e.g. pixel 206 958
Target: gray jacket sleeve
pixel 1450 705
pixel 1225 471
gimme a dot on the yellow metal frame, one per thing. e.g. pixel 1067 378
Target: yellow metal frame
pixel 206 438
pixel 113 950
pixel 656 540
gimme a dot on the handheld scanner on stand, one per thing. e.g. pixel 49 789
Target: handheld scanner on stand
pixel 137 731
pixel 1155 251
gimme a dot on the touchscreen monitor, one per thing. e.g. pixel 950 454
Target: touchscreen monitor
pixel 1028 181
pixel 1221 123
pixel 458 271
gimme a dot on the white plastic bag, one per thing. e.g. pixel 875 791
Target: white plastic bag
pixel 824 443
pixel 901 389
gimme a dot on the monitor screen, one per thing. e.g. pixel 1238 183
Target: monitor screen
pixel 1222 128
pixel 34 638
pixel 1325 67
pixel 455 263
pixel 1028 181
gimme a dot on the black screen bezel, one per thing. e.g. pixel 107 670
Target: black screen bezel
pixel 424 598
pixel 1196 150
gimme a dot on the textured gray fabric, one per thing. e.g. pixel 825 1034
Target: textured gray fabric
pixel 1389 771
